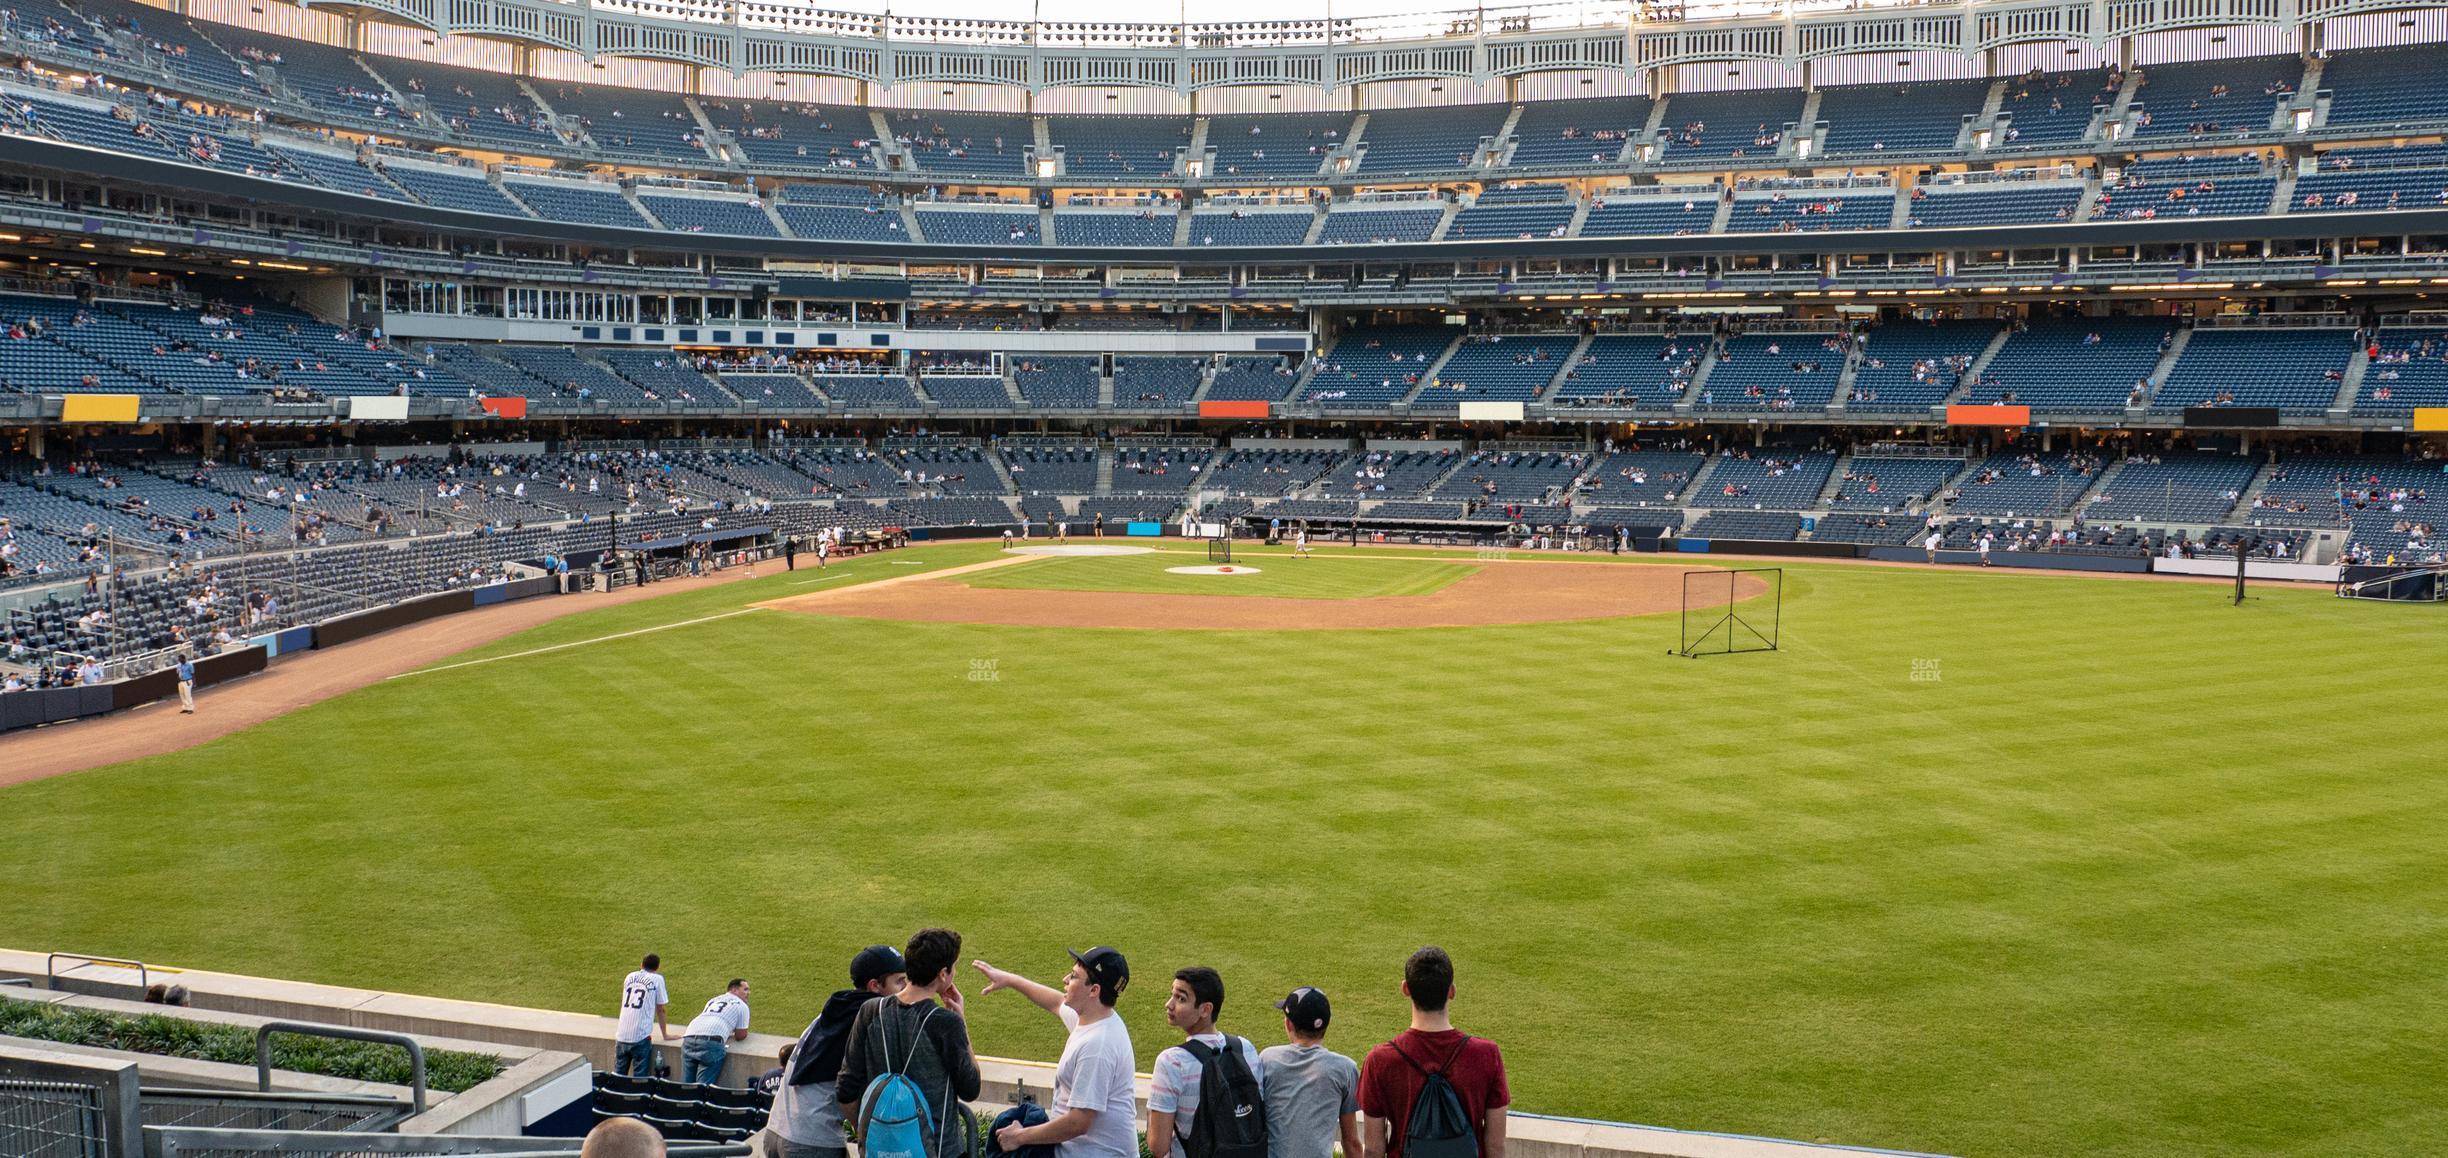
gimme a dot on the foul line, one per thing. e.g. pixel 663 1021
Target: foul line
pixel 575 643
pixel 819 579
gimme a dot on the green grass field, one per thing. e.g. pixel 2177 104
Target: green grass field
pixel 2125 871
pixel 1277 575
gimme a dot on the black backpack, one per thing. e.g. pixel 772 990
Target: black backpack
pixel 1232 1119
pixel 1440 1125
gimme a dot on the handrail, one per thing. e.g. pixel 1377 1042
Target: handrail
pixel 144 979
pixel 416 1052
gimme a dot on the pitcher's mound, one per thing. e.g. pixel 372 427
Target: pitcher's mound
pixel 1217 569
pixel 1079 549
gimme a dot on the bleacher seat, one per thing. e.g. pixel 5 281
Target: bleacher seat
pixel 2031 485
pixel 1674 214
pixel 1767 479
pixel 736 217
pixel 578 202
pixel 1372 366
pixel 2003 203
pixel 1720 126
pixel 1497 368
pixel 986 144
pixel 1134 147
pixel 1250 227
pixel 1275 144
pixel 1125 228
pixel 2179 488
pixel 2209 100
pixel 1531 211
pixel 1631 370
pixel 1898 118
pixel 2287 368
pixel 2053 366
pixel 1576 133
pixel 1773 372
pixel 1057 382
pixel 1891 485
pixel 1910 366
pixel 1401 141
pixel 998 227
pixel 1812 211
pixel 1349 224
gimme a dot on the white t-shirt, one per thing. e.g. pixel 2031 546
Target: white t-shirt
pixel 1175 1084
pixel 640 994
pixel 1096 1073
pixel 722 1015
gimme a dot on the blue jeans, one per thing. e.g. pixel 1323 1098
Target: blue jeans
pixel 701 1060
pixel 638 1054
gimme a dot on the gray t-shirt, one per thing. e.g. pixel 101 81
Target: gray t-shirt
pixel 1308 1089
pixel 808 1115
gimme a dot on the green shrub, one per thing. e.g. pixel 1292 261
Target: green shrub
pixel 445 1070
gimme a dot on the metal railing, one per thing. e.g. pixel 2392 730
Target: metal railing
pixel 144 979
pixel 416 1052
pixel 50 1120
pixel 249 1110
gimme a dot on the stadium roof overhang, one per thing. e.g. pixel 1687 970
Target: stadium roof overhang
pixel 78 162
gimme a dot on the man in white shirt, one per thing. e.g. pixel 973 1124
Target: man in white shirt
pixel 1173 1091
pixel 706 1044
pixel 644 999
pixel 1095 1108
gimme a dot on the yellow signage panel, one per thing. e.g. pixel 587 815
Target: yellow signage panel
pixel 2431 418
pixel 99 407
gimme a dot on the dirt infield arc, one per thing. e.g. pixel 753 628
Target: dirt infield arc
pixel 1497 593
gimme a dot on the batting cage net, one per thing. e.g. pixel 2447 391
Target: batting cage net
pixel 1219 549
pixel 1725 612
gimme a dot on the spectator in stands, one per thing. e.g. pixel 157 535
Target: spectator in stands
pixel 807 1111
pixel 1312 1093
pixel 1095 1100
pixel 633 1042
pixel 1391 1080
pixel 1173 1088
pixel 622 1138
pixel 918 1032
pixel 706 1044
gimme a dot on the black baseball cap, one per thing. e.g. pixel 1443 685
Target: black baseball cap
pixel 874 963
pixel 1307 1010
pixel 1106 968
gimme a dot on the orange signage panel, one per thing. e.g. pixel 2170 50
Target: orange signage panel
pixel 1256 409
pixel 505 407
pixel 1988 415
pixel 2431 418
pixel 98 407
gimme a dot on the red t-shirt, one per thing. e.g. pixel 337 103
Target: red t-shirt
pixel 1388 1084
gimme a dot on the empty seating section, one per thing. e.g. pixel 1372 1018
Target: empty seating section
pixel 1758 526
pixel 2384 87
pixel 2332 490
pixel 982 143
pixel 1811 211
pixel 1631 370
pixel 1057 382
pixel 1576 133
pixel 572 375
pixel 1348 225
pixel 1724 125
pixel 1497 476
pixel 2212 99
pixel 1388 474
pixel 1874 530
pixel 1275 144
pixel 2297 371
pixel 2188 187
pixel 2074 365
pixel 1416 512
pixel 1141 228
pixel 1915 365
pixel 1158 470
pixel 2055 108
pixel 181 45
pixel 1651 215
pixel 687 214
pixel 1152 381
pixel 840 213
pixel 1427 140
pixel 1051 469
pixel 950 469
pixel 1524 212
pixel 867 392
pixel 780 135
pixel 978 226
pixel 2411 371
pixel 2024 484
pixel 1888 118
pixel 1766 479
pixel 1118 146
pixel 771 389
pixel 1498 368
pixel 954 511
pixel 92 124
pixel 464 189
pixel 1252 379
pixel 1250 227
pixel 1773 372
pixel 629 122
pixel 579 202
pixel 338 173
pixel 1121 509
pixel 966 391
pixel 323 76
pixel 2385 182
pixel 664 375
pixel 1887 485
pixel 2193 488
pixel 848 472
pixel 2012 203
pixel 1267 471
pixel 1642 478
pixel 490 376
pixel 1371 366
pixel 475 103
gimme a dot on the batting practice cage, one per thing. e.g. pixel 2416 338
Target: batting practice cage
pixel 2409 585
pixel 1715 623
pixel 1219 549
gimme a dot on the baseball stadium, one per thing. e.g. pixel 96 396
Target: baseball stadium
pixel 1864 572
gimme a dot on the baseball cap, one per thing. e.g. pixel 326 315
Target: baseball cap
pixel 1106 967
pixel 1307 1009
pixel 874 963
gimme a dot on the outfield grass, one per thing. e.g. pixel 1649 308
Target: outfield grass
pixel 1317 577
pixel 2137 873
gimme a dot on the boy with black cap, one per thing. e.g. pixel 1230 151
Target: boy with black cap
pixel 1312 1093
pixel 908 1033
pixel 807 1117
pixel 1095 1111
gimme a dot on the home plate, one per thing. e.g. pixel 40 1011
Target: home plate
pixel 1079 549
pixel 1216 569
